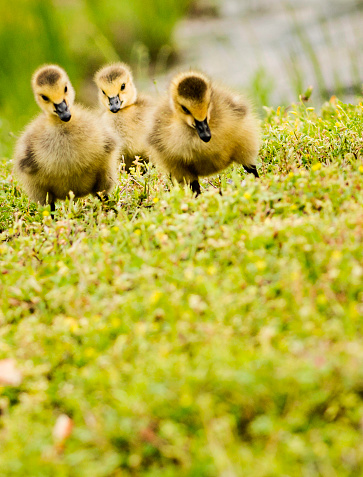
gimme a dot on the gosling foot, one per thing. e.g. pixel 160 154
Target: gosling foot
pixel 251 169
pixel 195 186
pixel 52 209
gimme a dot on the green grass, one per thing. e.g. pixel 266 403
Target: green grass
pixel 218 336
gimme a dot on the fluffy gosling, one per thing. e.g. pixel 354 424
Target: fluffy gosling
pixel 201 128
pixel 125 110
pixel 64 148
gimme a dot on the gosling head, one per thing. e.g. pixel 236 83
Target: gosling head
pixel 190 96
pixel 53 91
pixel 116 87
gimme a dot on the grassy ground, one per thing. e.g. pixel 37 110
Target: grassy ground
pixel 213 337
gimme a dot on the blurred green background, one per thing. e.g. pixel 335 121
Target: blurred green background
pixel 80 35
pixel 274 49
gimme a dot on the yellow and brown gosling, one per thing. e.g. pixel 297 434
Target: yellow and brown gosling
pixel 201 128
pixel 124 109
pixel 64 148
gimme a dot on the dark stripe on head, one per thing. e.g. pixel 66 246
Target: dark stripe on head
pixel 192 87
pixel 112 75
pixel 48 76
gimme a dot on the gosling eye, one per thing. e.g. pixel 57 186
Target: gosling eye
pixel 186 111
pixel 65 88
pixel 103 92
pixel 123 86
pixel 44 97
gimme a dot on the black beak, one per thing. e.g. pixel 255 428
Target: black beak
pixel 203 130
pixel 115 104
pixel 63 112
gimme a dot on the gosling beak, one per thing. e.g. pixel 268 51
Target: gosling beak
pixel 203 130
pixel 63 112
pixel 114 104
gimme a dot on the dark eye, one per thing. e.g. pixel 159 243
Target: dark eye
pixel 123 86
pixel 65 89
pixel 45 97
pixel 103 92
pixel 186 111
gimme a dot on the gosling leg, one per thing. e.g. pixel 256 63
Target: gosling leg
pixel 103 198
pixel 252 169
pixel 52 209
pixel 195 186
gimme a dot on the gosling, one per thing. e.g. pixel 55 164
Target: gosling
pixel 64 148
pixel 124 109
pixel 201 128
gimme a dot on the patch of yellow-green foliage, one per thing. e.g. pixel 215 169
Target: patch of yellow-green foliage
pixel 218 336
